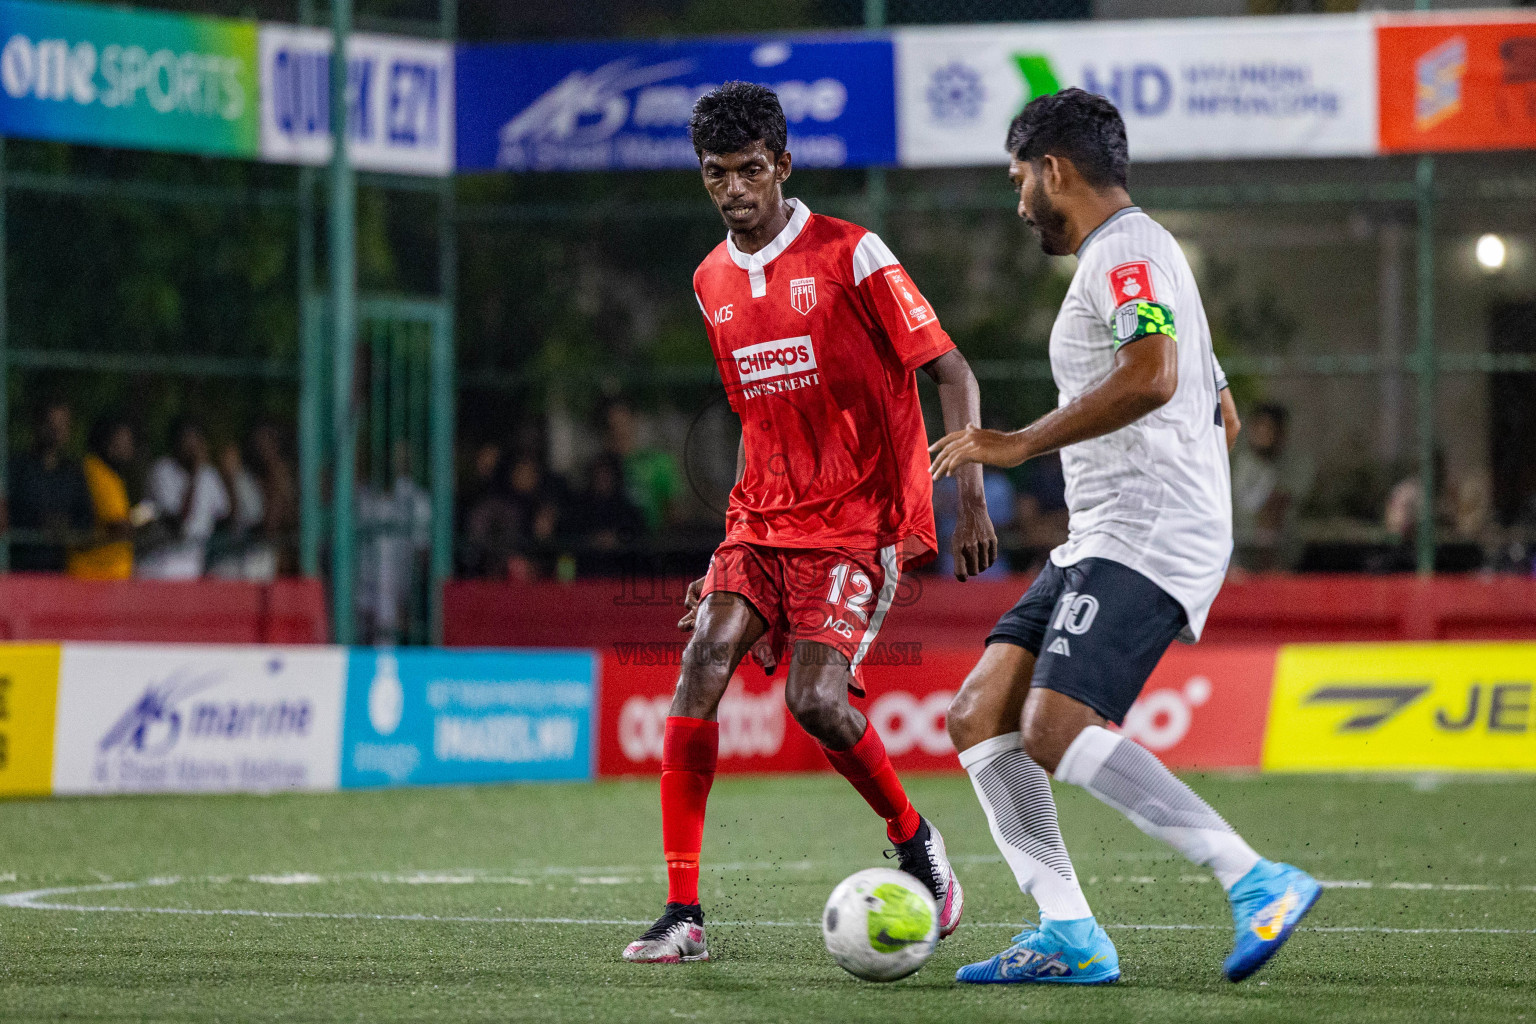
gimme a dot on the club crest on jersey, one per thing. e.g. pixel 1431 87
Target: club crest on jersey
pixel 1131 282
pixel 802 294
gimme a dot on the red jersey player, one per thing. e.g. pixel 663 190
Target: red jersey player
pixel 817 330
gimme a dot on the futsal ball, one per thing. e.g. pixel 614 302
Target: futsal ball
pixel 880 924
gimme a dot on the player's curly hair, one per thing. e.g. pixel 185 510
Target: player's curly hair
pixel 1082 127
pixel 733 116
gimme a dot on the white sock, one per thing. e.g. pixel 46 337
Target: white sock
pixel 1131 779
pixel 1016 794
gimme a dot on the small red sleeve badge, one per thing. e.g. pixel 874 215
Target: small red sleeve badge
pixel 1131 282
pixel 914 307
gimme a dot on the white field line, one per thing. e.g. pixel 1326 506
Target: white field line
pixel 42 899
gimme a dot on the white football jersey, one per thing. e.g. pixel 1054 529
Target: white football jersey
pixel 1155 495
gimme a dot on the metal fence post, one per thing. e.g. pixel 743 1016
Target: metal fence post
pixel 444 388
pixel 343 262
pixel 1425 358
pixel 876 193
pixel 5 377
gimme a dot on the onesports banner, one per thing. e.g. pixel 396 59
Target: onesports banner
pixel 615 106
pixel 109 76
pixel 1458 82
pixel 1190 89
pixel 400 108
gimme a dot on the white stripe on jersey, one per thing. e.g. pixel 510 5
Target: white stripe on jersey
pixel 1155 495
pixel 871 255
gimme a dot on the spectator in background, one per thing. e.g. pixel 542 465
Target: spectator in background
pixel 109 455
pixel 49 497
pixel 190 500
pixel 240 551
pixel 279 496
pixel 488 520
pixel 539 501
pixel 394 533
pixel 650 476
pixel 603 519
pixel 1269 484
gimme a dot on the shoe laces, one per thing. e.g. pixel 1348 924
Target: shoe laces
pixel 671 918
pixel 1030 929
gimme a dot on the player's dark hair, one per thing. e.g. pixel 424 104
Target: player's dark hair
pixel 1081 127
pixel 735 115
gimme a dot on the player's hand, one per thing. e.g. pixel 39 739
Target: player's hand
pixel 691 604
pixel 975 542
pixel 976 444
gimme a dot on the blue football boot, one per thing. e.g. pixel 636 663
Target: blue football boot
pixel 1058 952
pixel 1267 904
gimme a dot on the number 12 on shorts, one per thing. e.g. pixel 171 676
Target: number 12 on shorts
pixel 846 578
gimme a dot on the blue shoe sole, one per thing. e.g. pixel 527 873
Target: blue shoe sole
pixel 1270 949
pixel 1043 981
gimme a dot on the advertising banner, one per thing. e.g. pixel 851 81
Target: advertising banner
pixel 419 717
pixel 1189 89
pixel 29 686
pixel 1202 708
pixel 400 108
pixel 194 718
pixel 113 77
pixel 1403 707
pixel 609 106
pixel 1457 82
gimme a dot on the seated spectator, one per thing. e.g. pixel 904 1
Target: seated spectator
pixel 190 500
pixel 49 499
pixel 651 477
pixel 240 552
pixel 109 455
pixel 603 519
pixel 1269 483
pixel 279 496
pixel 539 502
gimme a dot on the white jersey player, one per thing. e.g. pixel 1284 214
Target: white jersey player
pixel 1143 426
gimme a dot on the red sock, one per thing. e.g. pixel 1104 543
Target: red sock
pixel 688 752
pixel 867 767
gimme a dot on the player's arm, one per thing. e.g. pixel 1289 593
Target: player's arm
pixel 1229 421
pixel 975 541
pixel 1144 378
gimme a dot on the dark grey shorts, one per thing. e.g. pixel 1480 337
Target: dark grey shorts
pixel 1097 629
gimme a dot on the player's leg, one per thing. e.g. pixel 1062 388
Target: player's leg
pixel 1015 793
pixel 728 625
pixel 817 694
pixel 1110 629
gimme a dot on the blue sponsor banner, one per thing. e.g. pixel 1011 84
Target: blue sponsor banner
pixel 419 717
pixel 609 106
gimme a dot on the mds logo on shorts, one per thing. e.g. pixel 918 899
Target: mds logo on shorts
pixel 775 358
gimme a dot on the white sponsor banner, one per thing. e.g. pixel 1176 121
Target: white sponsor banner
pixel 399 100
pixel 196 718
pixel 1191 89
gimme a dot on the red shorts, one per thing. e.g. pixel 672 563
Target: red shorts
pixel 832 596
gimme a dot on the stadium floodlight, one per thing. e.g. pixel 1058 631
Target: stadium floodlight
pixel 1491 252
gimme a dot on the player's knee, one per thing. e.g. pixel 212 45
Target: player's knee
pixel 964 720
pixel 701 683
pixel 821 713
pixel 1042 743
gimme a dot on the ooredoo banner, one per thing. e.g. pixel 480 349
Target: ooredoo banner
pixel 146 719
pixel 612 106
pixel 1202 708
pixel 1190 89
pixel 400 109
pixel 115 77
pixel 1452 82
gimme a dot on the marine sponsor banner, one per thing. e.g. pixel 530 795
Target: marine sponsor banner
pixel 1403 707
pixel 194 718
pixel 115 77
pixel 29 686
pixel 1452 82
pixel 400 105
pixel 1202 708
pixel 607 106
pixel 417 717
pixel 1188 89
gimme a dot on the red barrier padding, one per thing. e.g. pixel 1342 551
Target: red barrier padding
pixel 930 610
pixel 43 607
pixel 1204 707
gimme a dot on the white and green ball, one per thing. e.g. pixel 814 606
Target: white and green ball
pixel 880 924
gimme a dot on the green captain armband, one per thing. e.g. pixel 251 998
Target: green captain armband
pixel 1139 319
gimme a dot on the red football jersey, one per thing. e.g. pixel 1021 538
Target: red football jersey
pixel 817 337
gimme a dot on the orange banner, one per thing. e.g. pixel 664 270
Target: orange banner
pixel 1448 83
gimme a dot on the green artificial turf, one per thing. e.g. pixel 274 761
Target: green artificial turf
pixel 1457 857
